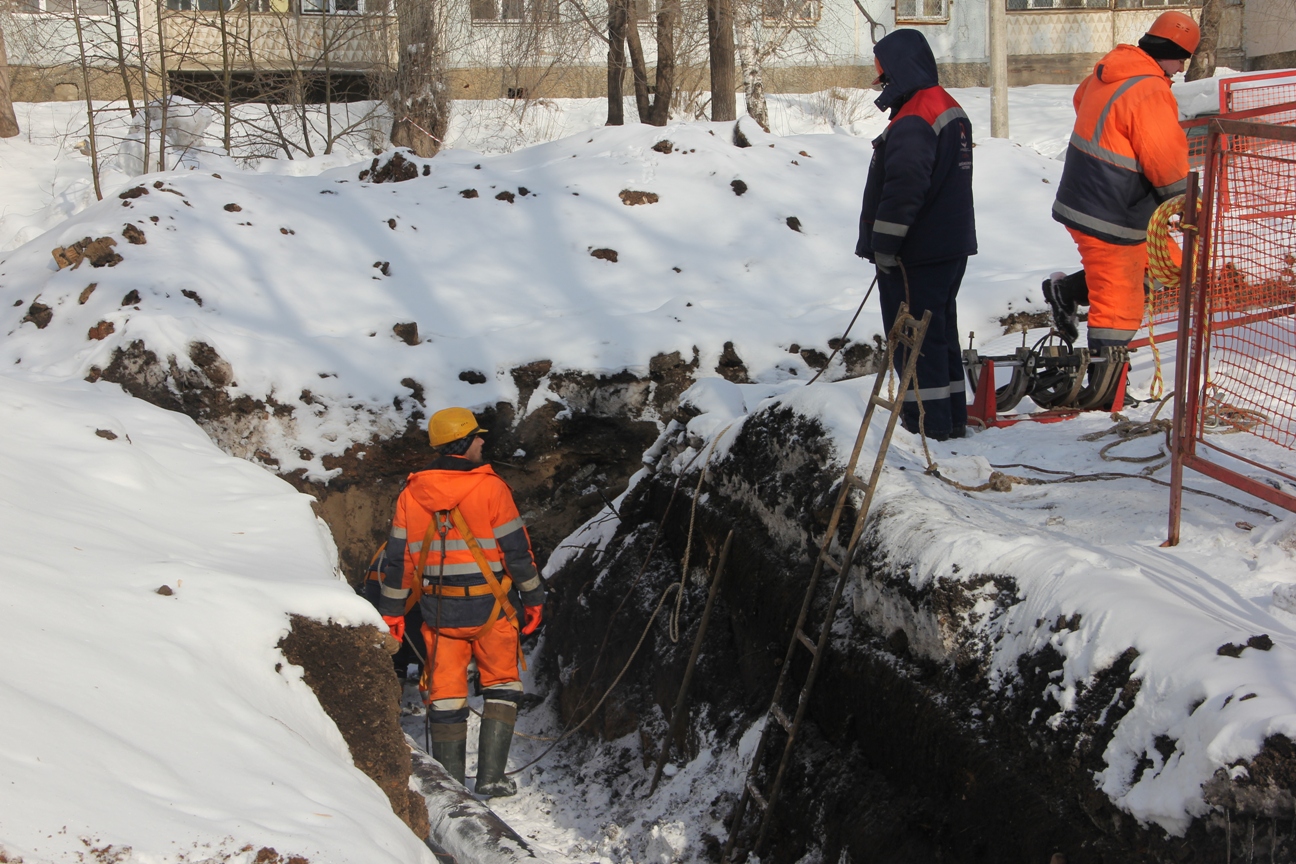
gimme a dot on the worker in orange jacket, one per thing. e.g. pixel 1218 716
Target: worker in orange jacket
pixel 1127 155
pixel 458 548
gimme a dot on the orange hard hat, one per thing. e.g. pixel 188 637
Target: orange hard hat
pixel 1177 28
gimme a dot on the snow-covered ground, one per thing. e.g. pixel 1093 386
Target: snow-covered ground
pixel 169 731
pixel 151 723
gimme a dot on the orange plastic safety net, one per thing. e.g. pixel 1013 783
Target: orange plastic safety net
pixel 1248 336
pixel 1277 105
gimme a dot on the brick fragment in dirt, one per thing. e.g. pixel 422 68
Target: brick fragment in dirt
pixel 351 675
pixel 102 330
pixel 98 251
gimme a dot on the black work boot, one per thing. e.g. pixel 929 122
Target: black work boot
pixel 498 718
pixel 450 748
pixel 1060 294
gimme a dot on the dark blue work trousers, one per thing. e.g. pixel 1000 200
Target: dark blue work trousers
pixel 932 287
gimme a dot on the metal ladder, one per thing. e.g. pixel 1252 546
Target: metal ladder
pixel 908 332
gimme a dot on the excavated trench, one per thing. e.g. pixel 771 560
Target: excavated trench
pixel 908 757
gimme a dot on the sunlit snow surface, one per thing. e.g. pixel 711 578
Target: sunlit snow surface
pixel 159 725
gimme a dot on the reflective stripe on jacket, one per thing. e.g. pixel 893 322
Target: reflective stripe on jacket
pixel 487 506
pixel 1127 152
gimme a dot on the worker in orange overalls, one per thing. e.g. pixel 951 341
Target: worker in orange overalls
pixel 1127 155
pixel 458 548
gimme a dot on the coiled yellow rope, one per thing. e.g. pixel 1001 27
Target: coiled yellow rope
pixel 1162 251
pixel 1161 247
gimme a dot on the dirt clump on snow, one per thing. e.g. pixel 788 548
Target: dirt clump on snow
pixel 350 674
pixel 39 314
pixel 396 169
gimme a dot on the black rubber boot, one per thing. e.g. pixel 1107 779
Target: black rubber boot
pixel 450 748
pixel 1064 294
pixel 493 749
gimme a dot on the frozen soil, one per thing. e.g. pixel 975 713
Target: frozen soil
pixel 904 759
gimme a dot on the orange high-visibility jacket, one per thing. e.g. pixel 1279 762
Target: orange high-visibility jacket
pixel 1127 152
pixel 455 592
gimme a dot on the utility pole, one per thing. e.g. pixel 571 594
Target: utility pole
pixel 997 16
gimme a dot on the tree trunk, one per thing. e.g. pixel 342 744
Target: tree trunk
pixel 8 121
pixel 720 40
pixel 637 65
pixel 122 68
pixel 1203 62
pixel 90 114
pixel 753 71
pixel 420 104
pixel 665 84
pixel 616 62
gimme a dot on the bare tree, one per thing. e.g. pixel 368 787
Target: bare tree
pixel 667 20
pixel 1203 61
pixel 8 120
pixel 420 102
pixel 90 113
pixel 618 21
pixel 720 44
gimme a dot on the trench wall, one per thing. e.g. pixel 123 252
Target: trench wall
pixel 909 756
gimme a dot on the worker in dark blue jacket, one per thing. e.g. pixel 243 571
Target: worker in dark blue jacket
pixel 917 224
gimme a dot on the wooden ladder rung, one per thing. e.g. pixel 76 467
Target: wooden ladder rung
pixel 880 402
pixel 781 716
pixel 830 562
pixel 805 640
pixel 858 482
pixel 756 795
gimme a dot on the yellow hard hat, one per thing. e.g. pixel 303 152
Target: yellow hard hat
pixel 451 424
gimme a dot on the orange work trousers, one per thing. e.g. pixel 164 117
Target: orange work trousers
pixel 1114 276
pixel 449 650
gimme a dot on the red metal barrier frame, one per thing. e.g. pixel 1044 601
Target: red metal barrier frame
pixel 983 410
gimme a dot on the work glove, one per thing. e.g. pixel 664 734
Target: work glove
pixel 886 262
pixel 396 626
pixel 533 615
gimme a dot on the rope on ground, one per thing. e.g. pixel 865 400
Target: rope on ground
pixel 673 622
pixel 841 343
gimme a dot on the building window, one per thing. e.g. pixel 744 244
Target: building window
pixel 61 7
pixel 513 11
pixel 923 11
pixel 341 7
pixel 796 12
pixel 1027 5
pixel 198 5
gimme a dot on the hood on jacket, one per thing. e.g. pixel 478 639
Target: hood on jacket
pixel 444 490
pixel 909 66
pixel 1122 62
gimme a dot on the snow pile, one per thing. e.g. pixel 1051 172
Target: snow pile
pixel 329 296
pixel 144 723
